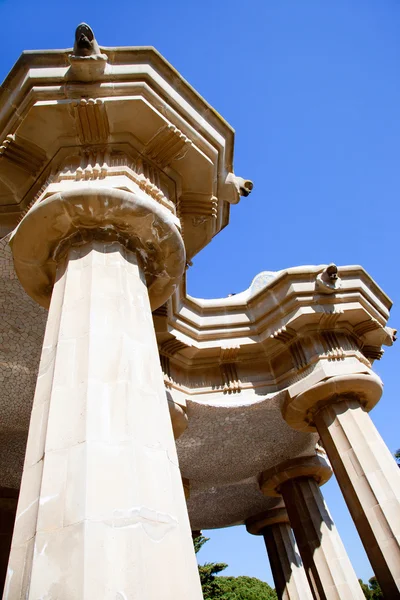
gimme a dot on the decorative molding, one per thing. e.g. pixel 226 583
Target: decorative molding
pixel 22 154
pixel 285 335
pixel 330 317
pixel 366 327
pixel 91 121
pixel 172 347
pixel 331 345
pixel 98 162
pixel 201 206
pixel 166 369
pixel 230 378
pixel 229 354
pixel 373 352
pixel 161 311
pixel 168 144
pixel 298 355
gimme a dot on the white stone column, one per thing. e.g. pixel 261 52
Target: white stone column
pixel 284 558
pixel 366 472
pixel 328 568
pixel 102 512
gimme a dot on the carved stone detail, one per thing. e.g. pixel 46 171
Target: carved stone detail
pixel 98 162
pixel 298 355
pixel 168 144
pixel 172 347
pixel 373 352
pixel 23 154
pixel 285 335
pixel 229 374
pixel 230 378
pixel 366 327
pixel 330 317
pixel 201 206
pixel 238 186
pixel 92 121
pixel 166 369
pixel 328 282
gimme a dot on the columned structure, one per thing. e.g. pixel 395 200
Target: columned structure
pixel 329 571
pixel 286 565
pixel 114 174
pixel 366 472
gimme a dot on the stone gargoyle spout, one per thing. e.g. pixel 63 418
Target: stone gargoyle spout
pixel 240 187
pixel 85 42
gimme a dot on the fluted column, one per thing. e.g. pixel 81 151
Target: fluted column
pixel 8 508
pixel 328 568
pixel 102 511
pixel 366 472
pixel 286 565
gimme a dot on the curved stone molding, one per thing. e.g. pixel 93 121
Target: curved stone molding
pixel 178 416
pixel 255 525
pixel 298 411
pixel 314 467
pixel 285 562
pixel 80 215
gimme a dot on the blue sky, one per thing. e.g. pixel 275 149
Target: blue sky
pixel 312 89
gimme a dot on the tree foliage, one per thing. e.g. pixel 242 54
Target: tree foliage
pixel 229 588
pixel 245 588
pixel 397 456
pixel 372 590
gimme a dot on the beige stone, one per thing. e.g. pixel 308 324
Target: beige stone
pixel 328 568
pixel 114 146
pixel 370 481
pixel 286 565
pixel 108 482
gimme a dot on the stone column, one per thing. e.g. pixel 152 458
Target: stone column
pixel 102 511
pixel 8 508
pixel 328 568
pixel 286 565
pixel 366 472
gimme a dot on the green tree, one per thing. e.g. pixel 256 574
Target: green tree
pixel 365 589
pixel 372 590
pixel 397 456
pixel 208 571
pixel 246 588
pixel 376 592
pixel 229 588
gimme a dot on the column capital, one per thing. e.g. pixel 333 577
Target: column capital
pixel 259 522
pixel 299 409
pixel 315 467
pixel 92 212
pixel 179 418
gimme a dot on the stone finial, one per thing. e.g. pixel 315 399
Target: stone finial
pixel 328 282
pixel 240 187
pixel 85 43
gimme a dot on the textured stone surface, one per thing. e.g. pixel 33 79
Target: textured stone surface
pixel 101 484
pixel 370 481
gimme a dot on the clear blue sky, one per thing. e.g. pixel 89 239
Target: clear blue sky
pixel 313 91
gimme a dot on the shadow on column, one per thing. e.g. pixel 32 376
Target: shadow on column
pixel 8 509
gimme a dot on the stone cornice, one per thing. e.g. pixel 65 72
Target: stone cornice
pixel 290 300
